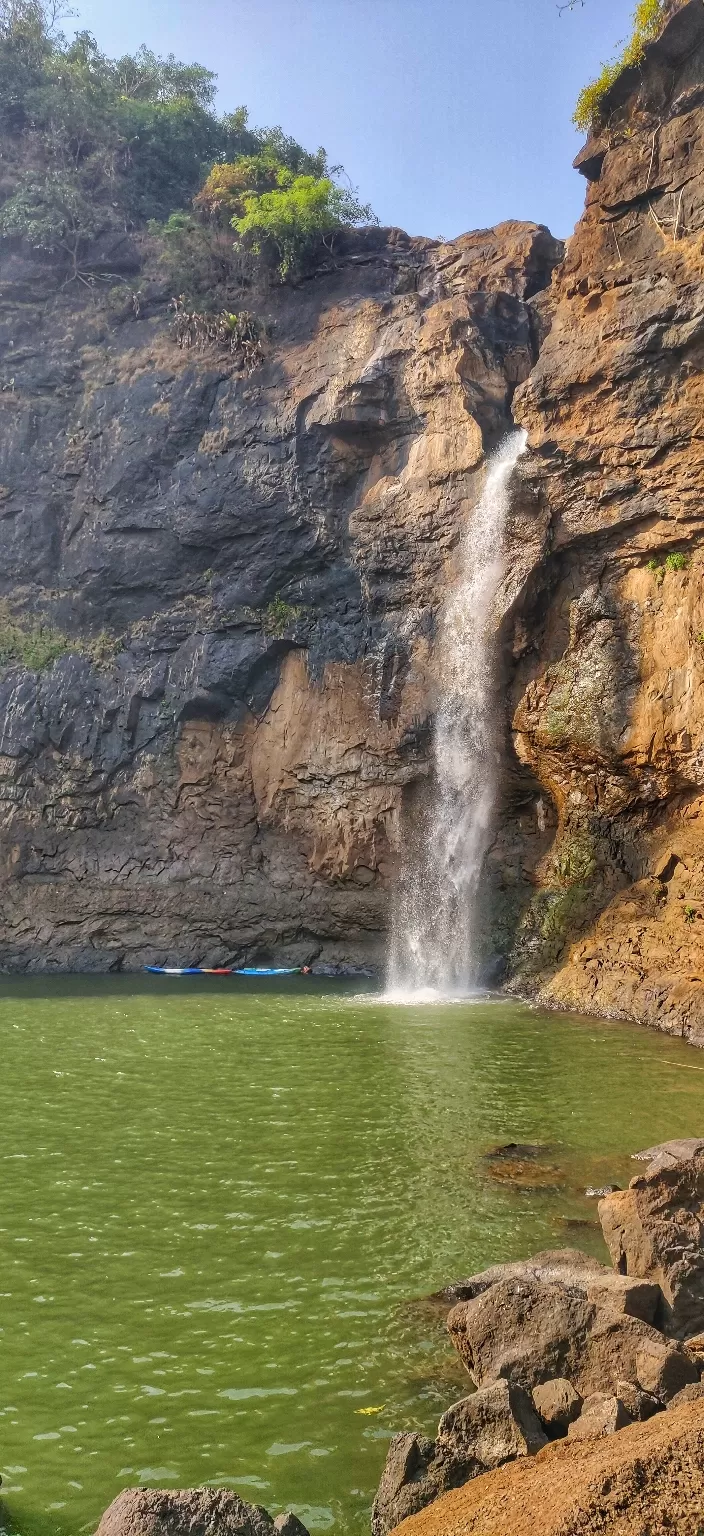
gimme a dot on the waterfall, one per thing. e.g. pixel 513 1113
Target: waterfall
pixel 433 935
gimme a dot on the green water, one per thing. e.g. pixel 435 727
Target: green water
pixel 219 1203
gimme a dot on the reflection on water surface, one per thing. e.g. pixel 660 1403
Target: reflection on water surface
pixel 222 1201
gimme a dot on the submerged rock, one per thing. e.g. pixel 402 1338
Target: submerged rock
pixel 191 1512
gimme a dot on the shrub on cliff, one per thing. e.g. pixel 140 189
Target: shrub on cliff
pixel 648 19
pixel 302 213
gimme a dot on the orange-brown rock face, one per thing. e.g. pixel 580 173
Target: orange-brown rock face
pixel 223 780
pixel 608 695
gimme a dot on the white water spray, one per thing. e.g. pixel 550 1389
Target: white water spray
pixel 433 936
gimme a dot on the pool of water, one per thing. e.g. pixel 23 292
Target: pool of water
pixel 223 1203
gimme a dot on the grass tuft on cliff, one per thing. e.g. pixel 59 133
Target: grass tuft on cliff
pixel 36 645
pixel 649 18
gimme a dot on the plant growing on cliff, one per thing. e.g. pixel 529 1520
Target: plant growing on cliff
pixel 239 334
pixel 648 19
pixel 37 645
pixel 287 224
pixel 279 616
pixel 676 561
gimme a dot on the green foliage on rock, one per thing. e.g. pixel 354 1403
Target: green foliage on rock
pixel 648 19
pixel 279 616
pixel 286 225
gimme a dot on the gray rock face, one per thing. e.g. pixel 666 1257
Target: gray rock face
pixel 667 1153
pixel 266 555
pixel 569 1266
pixel 189 1512
pixel 557 1405
pixel 417 1471
pixel 655 1230
pixel 602 1414
pixel 494 1425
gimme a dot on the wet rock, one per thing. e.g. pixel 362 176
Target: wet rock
pixel 602 1414
pixel 692 1393
pixel 557 1404
pixel 664 1370
pixel 655 1230
pixel 494 1425
pixel 188 1512
pixel 518 1152
pixel 639 1405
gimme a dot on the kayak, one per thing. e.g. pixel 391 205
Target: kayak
pixel 204 970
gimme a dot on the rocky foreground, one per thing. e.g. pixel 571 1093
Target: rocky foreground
pixel 587 1413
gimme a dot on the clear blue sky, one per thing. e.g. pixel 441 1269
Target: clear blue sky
pixel 447 114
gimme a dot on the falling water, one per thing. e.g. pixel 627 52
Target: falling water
pixel 433 940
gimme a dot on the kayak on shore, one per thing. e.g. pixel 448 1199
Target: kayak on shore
pixel 224 970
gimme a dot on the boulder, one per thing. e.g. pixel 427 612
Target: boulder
pixel 610 1353
pixel 602 1414
pixel 639 1405
pixel 655 1230
pixel 494 1425
pixel 529 1332
pixel 289 1524
pixel 188 1512
pixel 692 1393
pixel 522 1329
pixel 416 1472
pixel 622 1295
pixel 667 1153
pixel 664 1370
pixel 557 1404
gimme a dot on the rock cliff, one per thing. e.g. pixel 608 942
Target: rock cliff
pixel 205 748
pixel 608 696
pixel 239 576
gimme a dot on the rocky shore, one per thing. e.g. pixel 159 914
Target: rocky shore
pixel 586 1412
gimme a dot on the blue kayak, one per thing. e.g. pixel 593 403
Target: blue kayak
pixel 204 970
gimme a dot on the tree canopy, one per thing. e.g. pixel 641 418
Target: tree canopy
pixel 94 143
